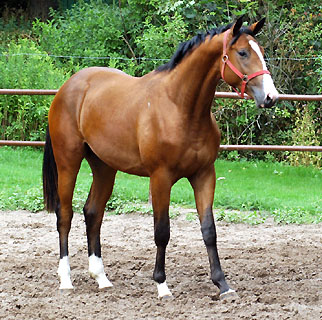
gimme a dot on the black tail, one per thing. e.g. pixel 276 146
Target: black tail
pixel 50 177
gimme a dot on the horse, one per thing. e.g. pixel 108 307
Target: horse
pixel 160 126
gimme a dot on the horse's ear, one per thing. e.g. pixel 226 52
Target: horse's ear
pixel 256 27
pixel 238 25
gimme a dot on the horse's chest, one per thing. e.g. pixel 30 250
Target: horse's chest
pixel 196 156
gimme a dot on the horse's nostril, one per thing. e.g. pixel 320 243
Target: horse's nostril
pixel 268 101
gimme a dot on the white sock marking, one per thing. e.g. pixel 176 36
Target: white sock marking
pixel 64 274
pixel 268 84
pixel 96 270
pixel 163 290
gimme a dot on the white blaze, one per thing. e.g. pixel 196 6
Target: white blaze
pixel 268 84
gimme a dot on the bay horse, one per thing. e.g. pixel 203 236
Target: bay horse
pixel 159 125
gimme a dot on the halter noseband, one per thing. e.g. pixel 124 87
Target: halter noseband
pixel 244 77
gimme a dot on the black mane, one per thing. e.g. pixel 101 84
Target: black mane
pixel 187 46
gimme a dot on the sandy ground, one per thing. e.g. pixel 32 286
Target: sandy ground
pixel 276 270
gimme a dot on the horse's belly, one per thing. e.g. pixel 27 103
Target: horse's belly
pixel 119 154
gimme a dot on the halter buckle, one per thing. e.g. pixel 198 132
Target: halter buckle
pixel 245 78
pixel 225 58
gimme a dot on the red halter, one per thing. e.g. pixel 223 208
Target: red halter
pixel 244 77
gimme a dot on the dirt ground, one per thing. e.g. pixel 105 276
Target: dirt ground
pixel 276 270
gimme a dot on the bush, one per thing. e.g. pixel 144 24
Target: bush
pixel 24 66
pixel 160 41
pixel 305 134
pixel 90 29
pixel 318 67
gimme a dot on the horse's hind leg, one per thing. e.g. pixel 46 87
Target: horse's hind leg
pixel 68 163
pixel 101 190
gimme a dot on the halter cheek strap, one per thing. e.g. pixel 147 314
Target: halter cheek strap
pixel 244 77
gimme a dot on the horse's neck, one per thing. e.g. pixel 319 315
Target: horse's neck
pixel 193 82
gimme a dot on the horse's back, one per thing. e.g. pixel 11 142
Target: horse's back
pixel 80 82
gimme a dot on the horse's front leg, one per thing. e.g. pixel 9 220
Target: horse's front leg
pixel 160 185
pixel 203 183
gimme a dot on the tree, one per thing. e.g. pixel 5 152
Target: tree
pixel 40 8
pixel 32 8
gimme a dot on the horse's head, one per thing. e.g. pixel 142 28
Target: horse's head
pixel 243 64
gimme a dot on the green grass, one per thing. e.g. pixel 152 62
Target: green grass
pixel 256 189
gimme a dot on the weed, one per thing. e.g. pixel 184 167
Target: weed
pixel 249 217
pixel 297 215
pixel 191 216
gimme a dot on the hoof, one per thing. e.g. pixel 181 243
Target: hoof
pixel 167 297
pixel 66 288
pixel 104 283
pixel 163 291
pixel 102 280
pixel 229 295
pixel 65 283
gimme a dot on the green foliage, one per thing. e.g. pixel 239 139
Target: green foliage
pixel 304 133
pixel 249 217
pixel 298 216
pixel 13 26
pixel 239 121
pixel 31 200
pixel 24 66
pixel 292 42
pixel 160 41
pixel 318 67
pixel 89 29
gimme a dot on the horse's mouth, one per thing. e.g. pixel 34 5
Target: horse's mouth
pixel 268 102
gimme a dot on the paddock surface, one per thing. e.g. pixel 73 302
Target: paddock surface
pixel 276 270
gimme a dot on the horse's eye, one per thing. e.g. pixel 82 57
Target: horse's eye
pixel 242 53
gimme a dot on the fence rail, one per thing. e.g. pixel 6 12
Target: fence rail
pixel 223 147
pixel 226 95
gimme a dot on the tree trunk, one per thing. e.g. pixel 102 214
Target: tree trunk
pixel 40 8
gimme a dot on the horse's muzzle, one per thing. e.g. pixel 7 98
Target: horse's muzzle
pixel 269 101
pixel 266 101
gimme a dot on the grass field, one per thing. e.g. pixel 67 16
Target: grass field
pixel 256 189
